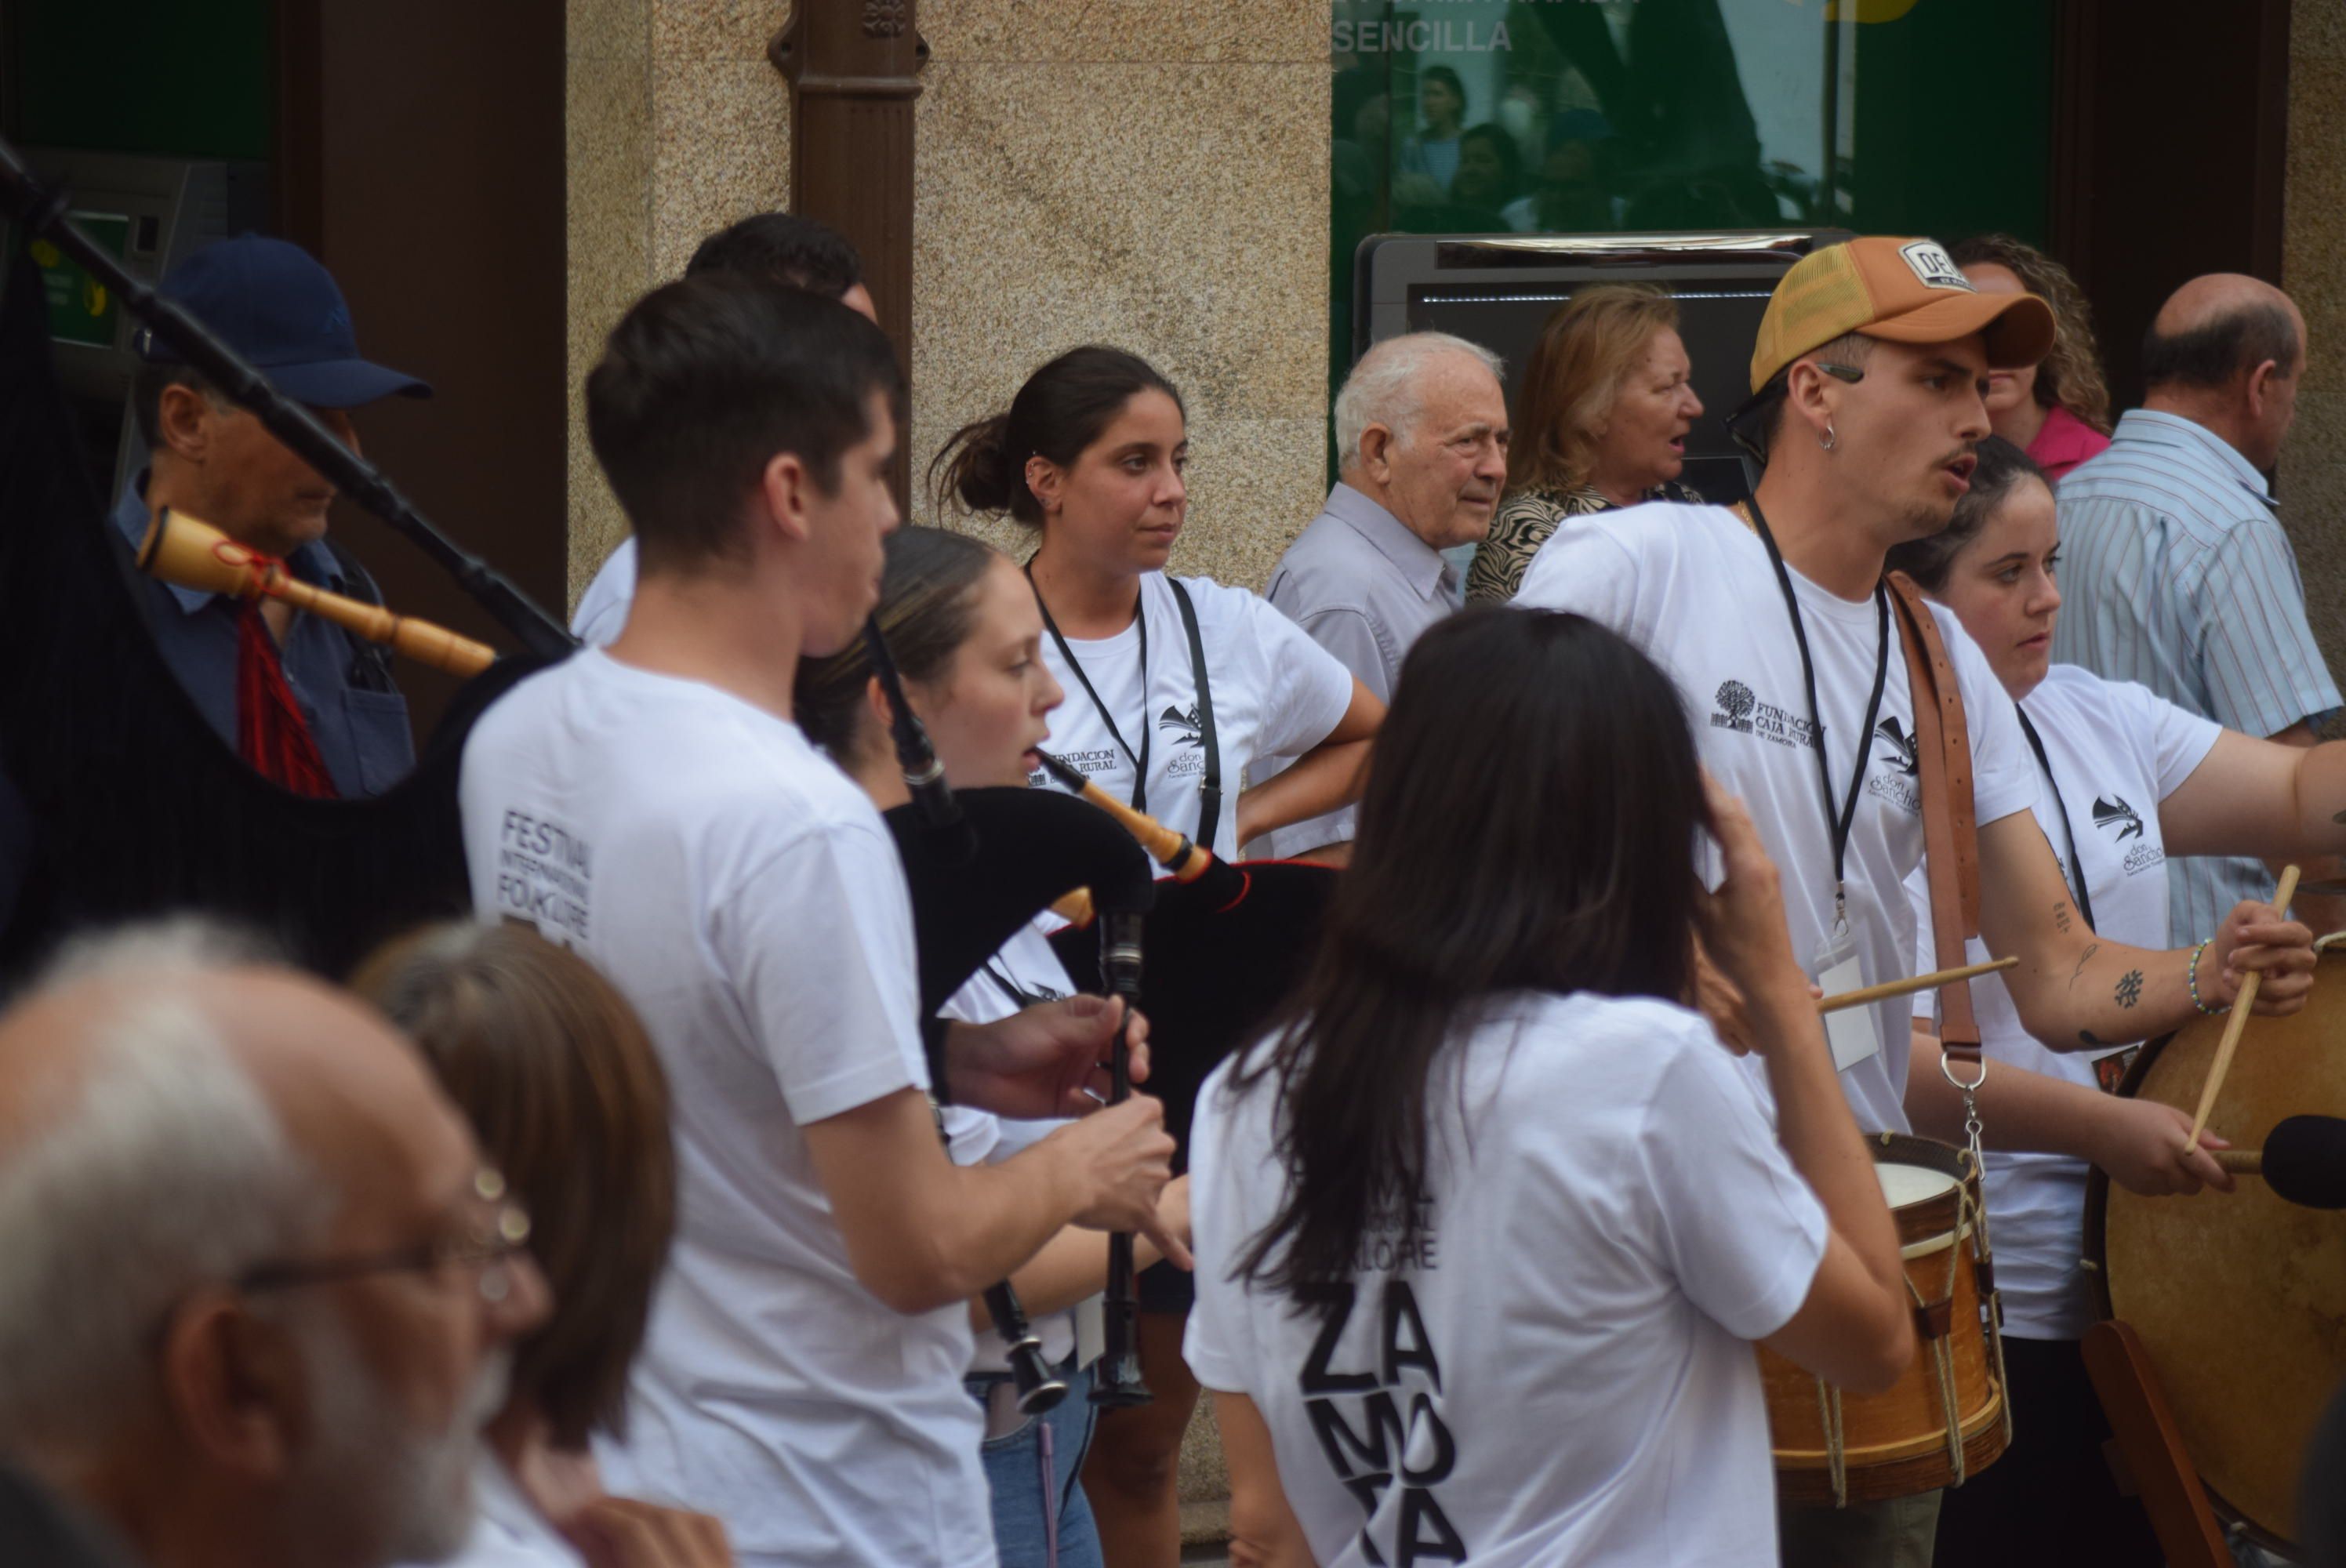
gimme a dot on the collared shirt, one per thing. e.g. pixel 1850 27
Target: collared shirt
pixel 356 714
pixel 2177 576
pixel 1363 587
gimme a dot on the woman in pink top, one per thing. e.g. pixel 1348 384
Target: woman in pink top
pixel 2057 411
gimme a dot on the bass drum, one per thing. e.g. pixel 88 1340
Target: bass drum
pixel 2239 1299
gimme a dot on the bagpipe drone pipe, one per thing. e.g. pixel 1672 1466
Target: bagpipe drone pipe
pixel 1227 942
pixel 135 807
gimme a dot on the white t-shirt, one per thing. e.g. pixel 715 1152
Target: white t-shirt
pixel 1276 692
pixel 509 1532
pixel 1027 965
pixel 602 607
pixel 1559 1372
pixel 2117 749
pixel 748 901
pixel 1692 587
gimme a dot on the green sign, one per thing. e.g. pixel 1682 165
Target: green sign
pixel 81 309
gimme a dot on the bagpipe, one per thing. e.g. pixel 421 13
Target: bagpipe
pixel 137 807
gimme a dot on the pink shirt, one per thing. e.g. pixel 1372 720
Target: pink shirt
pixel 2062 441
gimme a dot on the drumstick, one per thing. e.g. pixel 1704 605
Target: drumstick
pixel 2241 1006
pixel 1930 982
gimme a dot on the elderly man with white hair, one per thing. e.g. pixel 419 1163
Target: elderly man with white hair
pixel 259 1282
pixel 1421 435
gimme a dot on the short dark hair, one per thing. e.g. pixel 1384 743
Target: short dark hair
pixel 2002 468
pixel 148 384
pixel 1764 414
pixel 2212 353
pixel 705 381
pixel 1060 411
pixel 564 1090
pixel 785 246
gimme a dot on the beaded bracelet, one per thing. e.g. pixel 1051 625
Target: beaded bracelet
pixel 2194 976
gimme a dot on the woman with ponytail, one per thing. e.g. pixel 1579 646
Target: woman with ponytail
pixel 1175 687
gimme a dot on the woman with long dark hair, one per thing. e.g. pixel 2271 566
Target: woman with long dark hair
pixel 1177 686
pixel 1483 1227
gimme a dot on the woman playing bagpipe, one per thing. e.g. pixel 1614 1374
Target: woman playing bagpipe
pixel 964 633
pixel 1175 687
pixel 2126 780
pixel 1484 1224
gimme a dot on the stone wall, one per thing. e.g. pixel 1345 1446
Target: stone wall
pixel 676 126
pixel 1148 173
pixel 2313 269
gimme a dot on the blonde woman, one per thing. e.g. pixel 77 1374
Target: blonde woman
pixel 1601 422
pixel 2058 411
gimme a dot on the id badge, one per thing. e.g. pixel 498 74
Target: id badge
pixel 1851 1032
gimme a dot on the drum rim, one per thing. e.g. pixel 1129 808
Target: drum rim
pixel 2097 1284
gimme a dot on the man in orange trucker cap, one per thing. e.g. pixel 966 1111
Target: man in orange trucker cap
pixel 1867 378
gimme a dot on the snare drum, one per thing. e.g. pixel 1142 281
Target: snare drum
pixel 1946 1419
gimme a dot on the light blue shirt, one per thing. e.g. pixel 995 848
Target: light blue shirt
pixel 2176 574
pixel 1361 585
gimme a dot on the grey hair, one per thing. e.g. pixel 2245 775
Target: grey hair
pixel 1383 388
pixel 158 1169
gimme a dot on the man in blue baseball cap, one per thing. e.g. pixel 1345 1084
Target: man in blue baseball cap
pixel 310 706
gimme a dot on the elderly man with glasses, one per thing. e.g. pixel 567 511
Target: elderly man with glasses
pixel 260 1283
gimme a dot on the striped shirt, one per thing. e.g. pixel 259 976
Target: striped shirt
pixel 2177 574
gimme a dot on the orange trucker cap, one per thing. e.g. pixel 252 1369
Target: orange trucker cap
pixel 1904 291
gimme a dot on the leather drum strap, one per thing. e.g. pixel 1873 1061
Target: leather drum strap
pixel 1950 834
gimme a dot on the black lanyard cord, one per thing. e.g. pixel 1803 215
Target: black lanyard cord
pixel 1839 818
pixel 2076 866
pixel 1140 757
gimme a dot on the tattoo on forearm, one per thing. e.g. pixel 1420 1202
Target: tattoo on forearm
pixel 2129 990
pixel 2061 918
pixel 2084 959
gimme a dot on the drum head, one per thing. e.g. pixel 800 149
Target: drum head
pixel 2239 1299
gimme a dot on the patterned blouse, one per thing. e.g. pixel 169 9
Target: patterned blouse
pixel 1523 523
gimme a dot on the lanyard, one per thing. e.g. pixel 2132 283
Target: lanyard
pixel 2076 866
pixel 1140 758
pixel 1837 819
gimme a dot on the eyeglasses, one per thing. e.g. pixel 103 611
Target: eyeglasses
pixel 1849 373
pixel 496 1228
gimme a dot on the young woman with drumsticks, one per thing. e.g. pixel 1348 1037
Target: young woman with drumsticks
pixel 965 633
pixel 1176 687
pixel 2126 780
pixel 1484 1224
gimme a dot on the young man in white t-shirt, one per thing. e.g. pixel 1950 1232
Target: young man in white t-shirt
pixel 654 807
pixel 1868 376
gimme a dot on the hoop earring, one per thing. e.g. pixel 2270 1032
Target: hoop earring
pixel 1829 439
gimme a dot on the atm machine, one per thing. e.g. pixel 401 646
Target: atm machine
pixel 150 211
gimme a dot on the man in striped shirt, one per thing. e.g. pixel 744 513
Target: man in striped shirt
pixel 2176 569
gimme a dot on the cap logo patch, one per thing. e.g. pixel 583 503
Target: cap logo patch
pixel 1933 267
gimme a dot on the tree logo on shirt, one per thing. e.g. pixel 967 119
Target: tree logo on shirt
pixel 1735 705
pixel 1909 759
pixel 2115 812
pixel 1184 725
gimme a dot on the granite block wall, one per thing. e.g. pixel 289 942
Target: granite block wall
pixel 2313 269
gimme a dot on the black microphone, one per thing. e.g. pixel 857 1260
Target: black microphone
pixel 2303 1161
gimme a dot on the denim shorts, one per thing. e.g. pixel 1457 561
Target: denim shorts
pixel 1041 1518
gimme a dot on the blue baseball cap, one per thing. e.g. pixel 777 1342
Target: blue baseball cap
pixel 271 302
